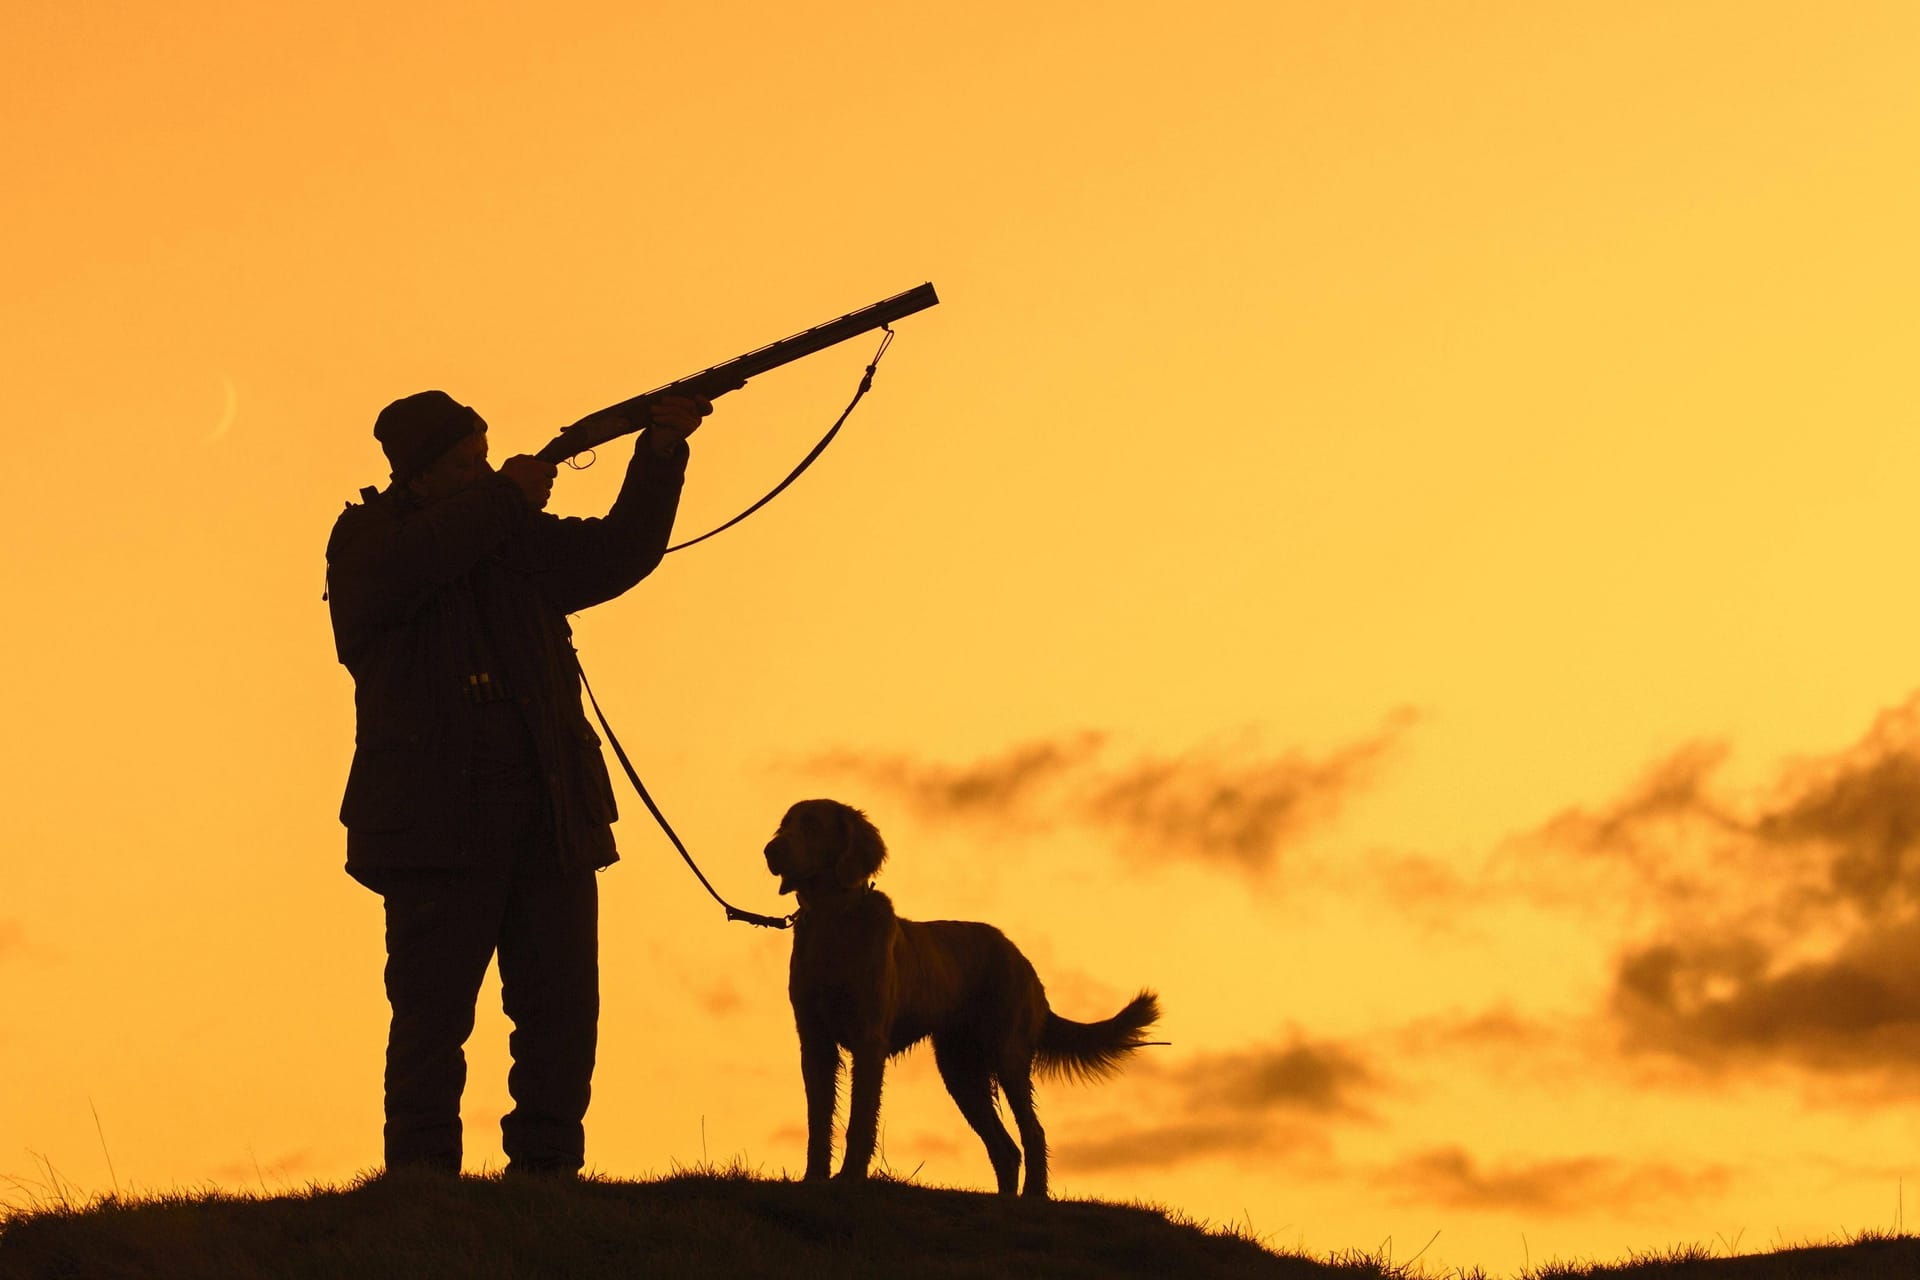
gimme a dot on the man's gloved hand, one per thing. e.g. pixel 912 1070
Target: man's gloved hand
pixel 532 477
pixel 671 419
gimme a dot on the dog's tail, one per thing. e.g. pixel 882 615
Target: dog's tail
pixel 1092 1050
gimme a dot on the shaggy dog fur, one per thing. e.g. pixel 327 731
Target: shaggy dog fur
pixel 867 980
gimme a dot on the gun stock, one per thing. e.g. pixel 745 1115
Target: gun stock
pixel 617 420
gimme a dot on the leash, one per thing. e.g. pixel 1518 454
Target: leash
pixel 633 776
pixel 733 912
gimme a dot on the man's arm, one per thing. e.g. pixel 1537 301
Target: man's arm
pixel 583 562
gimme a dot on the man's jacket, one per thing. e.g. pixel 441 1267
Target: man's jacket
pixel 424 598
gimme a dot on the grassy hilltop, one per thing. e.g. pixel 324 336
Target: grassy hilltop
pixel 420 1226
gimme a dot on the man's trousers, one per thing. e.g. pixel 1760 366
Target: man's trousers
pixel 443 927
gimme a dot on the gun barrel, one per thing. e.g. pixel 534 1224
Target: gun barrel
pixel 617 420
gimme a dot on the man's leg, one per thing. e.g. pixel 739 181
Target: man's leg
pixel 441 928
pixel 550 988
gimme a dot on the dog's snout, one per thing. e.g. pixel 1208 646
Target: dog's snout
pixel 780 860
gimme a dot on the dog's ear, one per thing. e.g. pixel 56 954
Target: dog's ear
pixel 863 851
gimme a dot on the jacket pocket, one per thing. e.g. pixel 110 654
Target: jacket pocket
pixel 386 789
pixel 597 783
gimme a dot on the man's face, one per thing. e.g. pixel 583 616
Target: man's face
pixel 454 470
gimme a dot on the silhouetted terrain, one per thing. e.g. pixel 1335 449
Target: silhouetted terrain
pixel 426 1225
pixel 423 1225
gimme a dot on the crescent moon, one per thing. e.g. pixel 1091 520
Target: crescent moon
pixel 226 414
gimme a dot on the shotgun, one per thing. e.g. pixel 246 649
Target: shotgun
pixel 629 415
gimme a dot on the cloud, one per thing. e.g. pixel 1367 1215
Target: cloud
pixel 719 998
pixel 1860 808
pixel 1721 1001
pixel 1671 800
pixel 13 936
pixel 1847 824
pixel 1672 847
pixel 1266 1100
pixel 1217 811
pixel 1450 1177
pixel 717 995
pixel 942 1144
pixel 280 1169
pixel 1786 920
pixel 995 788
pixel 1214 806
pixel 1499 1030
pixel 1423 891
pixel 1323 1079
pixel 1165 1145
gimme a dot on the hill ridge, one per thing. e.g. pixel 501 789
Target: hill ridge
pixel 421 1225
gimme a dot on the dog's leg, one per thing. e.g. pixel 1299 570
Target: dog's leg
pixel 820 1071
pixel 1017 1084
pixel 971 1085
pixel 863 1109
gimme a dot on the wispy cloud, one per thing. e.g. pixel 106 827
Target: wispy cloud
pixel 1321 1079
pixel 1422 891
pixel 1218 806
pixel 13 936
pixel 1220 811
pixel 999 788
pixel 1162 1146
pixel 1451 1177
pixel 1668 808
pixel 1787 919
pixel 1499 1030
pixel 1848 823
pixel 1273 1100
pixel 278 1168
pixel 719 998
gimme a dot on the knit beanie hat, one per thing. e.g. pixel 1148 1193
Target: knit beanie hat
pixel 417 429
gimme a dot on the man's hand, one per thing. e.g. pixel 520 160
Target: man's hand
pixel 671 419
pixel 532 477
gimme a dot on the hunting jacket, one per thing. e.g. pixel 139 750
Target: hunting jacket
pixel 422 598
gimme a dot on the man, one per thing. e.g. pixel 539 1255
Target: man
pixel 478 804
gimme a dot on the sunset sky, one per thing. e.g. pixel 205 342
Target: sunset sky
pixel 1399 536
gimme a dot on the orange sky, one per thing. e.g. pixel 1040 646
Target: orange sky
pixel 1397 431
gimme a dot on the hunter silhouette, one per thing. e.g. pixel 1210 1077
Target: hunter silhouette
pixel 478 805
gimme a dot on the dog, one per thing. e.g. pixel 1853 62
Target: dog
pixel 866 980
